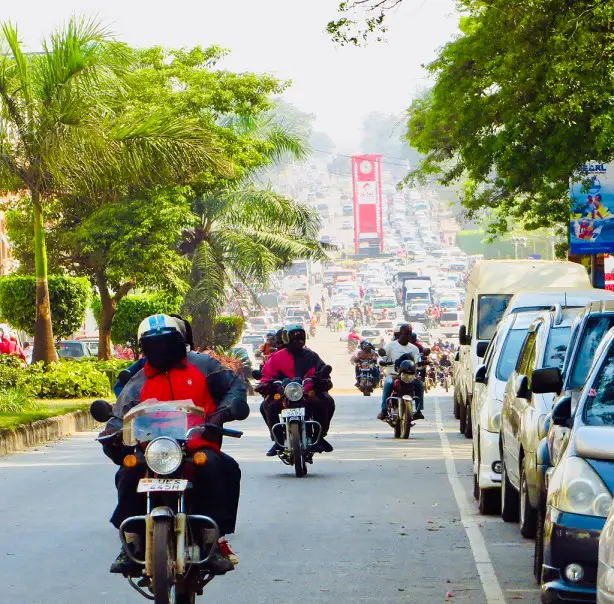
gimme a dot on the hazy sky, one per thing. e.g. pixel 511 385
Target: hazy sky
pixel 285 37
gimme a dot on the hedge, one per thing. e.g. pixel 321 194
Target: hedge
pixel 227 331
pixel 68 296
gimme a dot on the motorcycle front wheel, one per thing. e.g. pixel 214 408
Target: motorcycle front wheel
pixel 406 421
pixel 297 455
pixel 163 562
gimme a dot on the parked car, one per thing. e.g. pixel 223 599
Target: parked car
pixel 580 488
pixel 526 405
pixel 73 349
pixel 487 401
pixel 253 339
pixel 449 322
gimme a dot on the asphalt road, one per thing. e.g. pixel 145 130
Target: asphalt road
pixel 377 521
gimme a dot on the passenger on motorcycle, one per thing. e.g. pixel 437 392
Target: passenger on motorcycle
pixel 269 347
pixel 366 352
pixel 171 372
pixel 397 351
pixel 296 361
pixel 444 361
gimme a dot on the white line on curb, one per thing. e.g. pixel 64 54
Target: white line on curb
pixel 488 577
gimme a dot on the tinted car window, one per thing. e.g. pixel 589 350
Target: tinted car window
pixel 596 328
pixel 509 354
pixel 599 408
pixel 490 311
pixel 525 361
pixel 70 350
pixel 558 338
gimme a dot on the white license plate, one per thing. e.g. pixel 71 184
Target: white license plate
pixel 300 412
pixel 153 485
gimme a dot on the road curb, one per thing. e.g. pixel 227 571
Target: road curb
pixel 44 430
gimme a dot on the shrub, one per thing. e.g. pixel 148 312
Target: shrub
pixel 65 380
pixel 227 331
pixel 69 297
pixel 16 400
pixel 228 360
pixel 131 310
pixel 10 368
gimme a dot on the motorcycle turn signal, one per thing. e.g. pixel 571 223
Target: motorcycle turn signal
pixel 130 461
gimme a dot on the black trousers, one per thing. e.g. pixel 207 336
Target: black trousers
pixel 215 492
pixel 321 409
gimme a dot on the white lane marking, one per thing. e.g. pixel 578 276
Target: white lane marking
pixel 488 577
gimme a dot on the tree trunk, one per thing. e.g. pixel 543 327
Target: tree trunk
pixel 109 305
pixel 44 346
pixel 202 327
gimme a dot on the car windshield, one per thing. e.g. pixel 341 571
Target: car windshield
pixel 558 339
pixel 599 408
pixel 509 353
pixel 596 328
pixel 490 310
pixel 252 340
pixel 384 303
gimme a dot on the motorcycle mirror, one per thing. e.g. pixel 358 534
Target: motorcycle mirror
pixel 101 411
pixel 257 374
pixel 124 377
pixel 382 352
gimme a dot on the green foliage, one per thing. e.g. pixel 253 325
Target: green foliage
pixel 16 400
pixel 69 297
pixel 366 21
pixel 227 331
pixel 64 380
pixel 10 368
pixel 131 310
pixel 522 99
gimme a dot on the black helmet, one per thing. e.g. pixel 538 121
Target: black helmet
pixel 407 367
pixel 365 344
pixel 163 341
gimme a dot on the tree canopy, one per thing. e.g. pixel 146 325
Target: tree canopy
pixel 522 99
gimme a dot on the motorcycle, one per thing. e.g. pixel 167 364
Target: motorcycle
pixel 312 330
pixel 401 404
pixel 352 345
pixel 174 569
pixel 444 378
pixel 366 382
pixel 297 434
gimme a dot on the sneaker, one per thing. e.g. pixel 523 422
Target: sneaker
pixel 418 415
pixel 122 565
pixel 326 446
pixel 382 415
pixel 226 551
pixel 218 563
pixel 274 450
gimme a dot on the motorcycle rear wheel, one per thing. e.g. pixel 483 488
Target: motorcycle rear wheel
pixel 163 562
pixel 297 454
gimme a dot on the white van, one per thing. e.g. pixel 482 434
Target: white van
pixel 492 284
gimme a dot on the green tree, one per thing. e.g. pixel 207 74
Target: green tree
pixel 243 234
pixel 522 99
pixel 131 310
pixel 67 129
pixel 68 296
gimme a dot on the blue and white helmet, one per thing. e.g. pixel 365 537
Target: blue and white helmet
pixel 158 325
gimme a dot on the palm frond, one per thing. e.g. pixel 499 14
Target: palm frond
pixel 211 278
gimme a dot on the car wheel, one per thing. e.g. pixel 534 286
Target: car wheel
pixel 538 556
pixel 456 406
pixel 527 513
pixel 468 432
pixel 509 498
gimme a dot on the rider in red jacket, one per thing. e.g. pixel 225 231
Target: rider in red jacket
pixel 172 373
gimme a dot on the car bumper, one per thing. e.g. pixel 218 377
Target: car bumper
pixel 489 453
pixel 570 538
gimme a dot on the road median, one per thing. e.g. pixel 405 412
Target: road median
pixel 41 431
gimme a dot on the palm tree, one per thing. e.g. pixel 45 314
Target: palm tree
pixel 65 130
pixel 244 234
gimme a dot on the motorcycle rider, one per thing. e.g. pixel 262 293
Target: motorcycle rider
pixel 365 352
pixel 172 372
pixel 268 348
pixel 296 361
pixel 397 351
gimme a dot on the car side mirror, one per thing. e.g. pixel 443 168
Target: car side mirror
pixel 480 375
pixel 523 388
pixel 463 338
pixel 561 412
pixel 546 380
pixel 481 349
pixel 101 411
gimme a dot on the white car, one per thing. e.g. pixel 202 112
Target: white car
pixel 486 404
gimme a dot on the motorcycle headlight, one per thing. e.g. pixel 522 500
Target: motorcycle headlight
pixel 580 490
pixel 163 455
pixel 407 377
pixel 293 391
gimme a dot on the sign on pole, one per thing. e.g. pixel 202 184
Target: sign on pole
pixel 591 229
pixel 367 188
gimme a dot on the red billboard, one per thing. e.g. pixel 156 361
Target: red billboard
pixel 367 188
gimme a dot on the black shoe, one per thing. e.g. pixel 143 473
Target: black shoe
pixel 418 415
pixel 219 564
pixel 326 446
pixel 123 565
pixel 382 415
pixel 274 450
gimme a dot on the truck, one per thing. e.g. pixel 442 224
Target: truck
pixel 414 291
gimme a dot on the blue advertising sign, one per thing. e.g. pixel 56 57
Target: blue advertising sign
pixel 592 211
